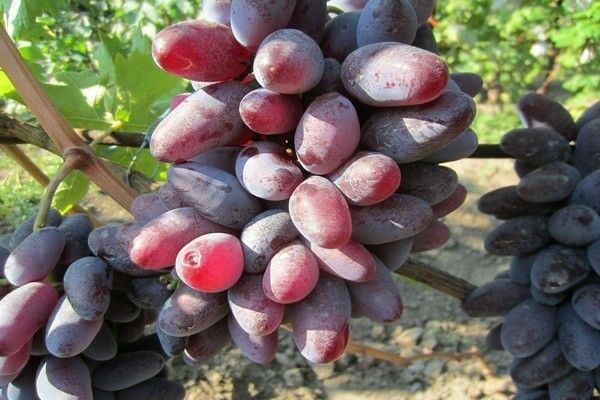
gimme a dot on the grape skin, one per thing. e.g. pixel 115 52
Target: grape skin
pixel 255 313
pixel 207 119
pixel 376 74
pixel 87 284
pixel 189 311
pixel 199 50
pixel 575 225
pixel 22 312
pixel 385 21
pixel 579 341
pixel 127 369
pixel 430 182
pixel 252 21
pixel 408 134
pixel 398 217
pixel 211 263
pixel 35 257
pixel 494 298
pixel 321 321
pixel 288 61
pixel 63 379
pixel 320 212
pixel 367 178
pixel 339 37
pixel 379 298
pixel 540 110
pixel 269 112
pixel 327 135
pixel 259 349
pixel 204 345
pixel 291 274
pixel 67 334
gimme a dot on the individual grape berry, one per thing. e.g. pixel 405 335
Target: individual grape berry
pixel 255 313
pixel 291 274
pixel 199 50
pixel 288 61
pixel 211 263
pixel 327 135
pixel 385 21
pixel 375 74
pixel 252 21
pixel 320 212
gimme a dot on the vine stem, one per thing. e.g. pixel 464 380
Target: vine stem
pixel 55 124
pixel 72 161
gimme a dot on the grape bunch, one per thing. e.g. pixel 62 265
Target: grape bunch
pixel 550 295
pixel 304 169
pixel 71 326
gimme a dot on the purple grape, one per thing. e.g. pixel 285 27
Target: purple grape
pixel 258 349
pixel 519 235
pixel 87 284
pixel 127 369
pixel 77 228
pixel 386 21
pixel 575 225
pixel 153 389
pixel 545 366
pixel 554 181
pixel 579 341
pixel 557 268
pixel 494 298
pixel 206 344
pixel 339 38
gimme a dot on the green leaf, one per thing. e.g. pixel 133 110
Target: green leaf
pixel 80 98
pixel 7 89
pixel 145 163
pixel 143 89
pixel 71 190
pixel 21 15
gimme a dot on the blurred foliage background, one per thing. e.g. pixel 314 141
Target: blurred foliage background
pixel 94 60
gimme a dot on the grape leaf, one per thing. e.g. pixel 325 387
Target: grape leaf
pixel 143 89
pixel 20 15
pixel 71 190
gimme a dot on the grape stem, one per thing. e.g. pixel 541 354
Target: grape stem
pixel 73 160
pixel 334 10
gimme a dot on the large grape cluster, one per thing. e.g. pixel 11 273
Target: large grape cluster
pixel 550 295
pixel 304 169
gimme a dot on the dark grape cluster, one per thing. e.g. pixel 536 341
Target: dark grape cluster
pixel 72 326
pixel 550 295
pixel 304 169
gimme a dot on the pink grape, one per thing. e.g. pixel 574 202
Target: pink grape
pixel 269 112
pixel 206 119
pixel 320 212
pixel 321 321
pixel 14 363
pixel 267 172
pixel 367 178
pixel 398 217
pixel 211 263
pixel 253 310
pixel 156 245
pixel 253 20
pixel 352 261
pixel 216 194
pixel 200 50
pixel 394 74
pixel 23 312
pixel 264 235
pixel 288 61
pixel 291 274
pixel 328 134
pixel 259 349
pixel 379 298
